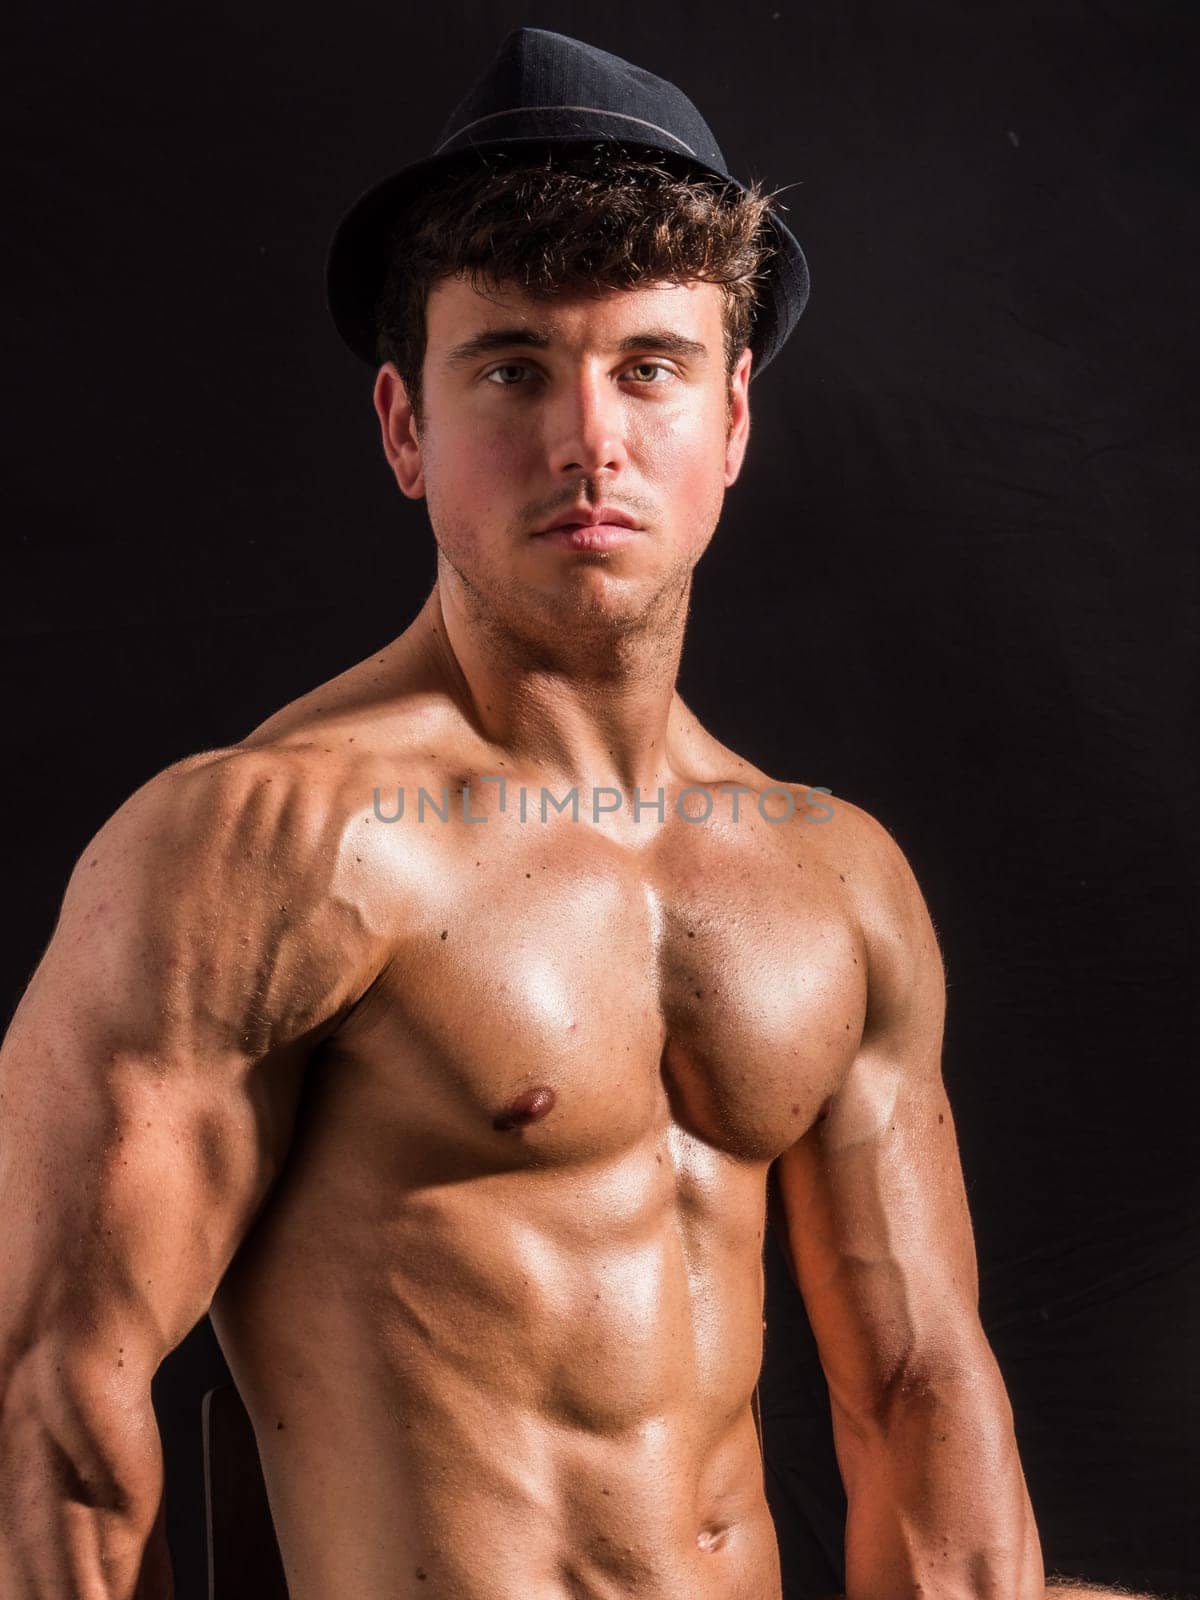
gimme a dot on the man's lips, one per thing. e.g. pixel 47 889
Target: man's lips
pixel 591 528
pixel 592 514
pixel 590 535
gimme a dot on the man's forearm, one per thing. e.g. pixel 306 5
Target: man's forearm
pixel 60 1549
pixel 937 1505
pixel 81 1491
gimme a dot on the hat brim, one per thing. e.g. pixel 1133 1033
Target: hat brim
pixel 357 259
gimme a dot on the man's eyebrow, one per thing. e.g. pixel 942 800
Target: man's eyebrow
pixel 482 344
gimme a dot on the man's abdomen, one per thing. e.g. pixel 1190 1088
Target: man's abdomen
pixel 513 1383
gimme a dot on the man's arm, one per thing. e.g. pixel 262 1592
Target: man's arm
pixel 148 1087
pixel 873 1214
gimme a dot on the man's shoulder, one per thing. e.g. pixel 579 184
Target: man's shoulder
pixel 857 845
pixel 869 855
pixel 717 767
pixel 377 719
pixel 862 858
pixel 905 964
pixel 218 809
pixel 294 797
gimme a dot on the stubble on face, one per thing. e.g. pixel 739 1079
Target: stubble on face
pixel 600 613
pixel 578 631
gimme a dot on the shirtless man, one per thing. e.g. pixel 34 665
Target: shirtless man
pixel 458 1120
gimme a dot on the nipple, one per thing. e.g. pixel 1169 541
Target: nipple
pixel 531 1106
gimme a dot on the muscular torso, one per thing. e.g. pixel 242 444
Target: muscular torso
pixel 500 1323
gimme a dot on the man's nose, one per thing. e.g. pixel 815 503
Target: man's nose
pixel 585 421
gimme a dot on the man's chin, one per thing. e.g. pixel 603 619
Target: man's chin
pixel 577 603
pixel 611 601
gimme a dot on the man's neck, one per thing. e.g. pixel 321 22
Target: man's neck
pixel 603 714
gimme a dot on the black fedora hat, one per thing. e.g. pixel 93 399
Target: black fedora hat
pixel 541 89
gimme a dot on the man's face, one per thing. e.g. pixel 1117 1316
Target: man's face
pixel 534 408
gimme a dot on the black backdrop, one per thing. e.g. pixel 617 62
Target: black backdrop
pixel 956 582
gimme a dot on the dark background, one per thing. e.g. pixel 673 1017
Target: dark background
pixel 956 582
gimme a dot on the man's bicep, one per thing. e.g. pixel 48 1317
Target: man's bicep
pixel 872 1204
pixel 151 1072
pixel 127 1179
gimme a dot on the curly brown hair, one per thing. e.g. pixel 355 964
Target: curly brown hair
pixel 577 219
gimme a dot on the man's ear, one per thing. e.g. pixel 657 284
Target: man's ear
pixel 739 417
pixel 401 445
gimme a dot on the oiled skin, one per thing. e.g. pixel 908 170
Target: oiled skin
pixel 500 1323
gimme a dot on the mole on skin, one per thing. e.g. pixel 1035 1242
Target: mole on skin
pixel 526 1108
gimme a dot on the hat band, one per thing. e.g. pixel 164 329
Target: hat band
pixel 595 111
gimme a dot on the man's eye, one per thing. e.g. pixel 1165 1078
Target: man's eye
pixel 641 366
pixel 510 366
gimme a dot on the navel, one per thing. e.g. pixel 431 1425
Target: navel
pixel 712 1537
pixel 531 1106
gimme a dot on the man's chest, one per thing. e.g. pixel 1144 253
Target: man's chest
pixel 559 998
